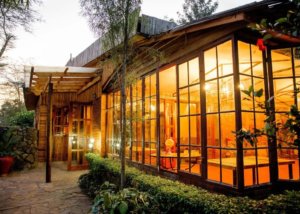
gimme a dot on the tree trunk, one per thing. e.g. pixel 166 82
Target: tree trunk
pixel 123 95
pixel 5 45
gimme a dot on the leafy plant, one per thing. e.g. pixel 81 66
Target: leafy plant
pixel 8 142
pixel 128 200
pixel 23 118
pixel 14 113
pixel 250 136
pixel 288 24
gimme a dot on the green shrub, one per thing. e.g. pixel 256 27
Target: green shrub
pixel 129 200
pixel 176 197
pixel 22 118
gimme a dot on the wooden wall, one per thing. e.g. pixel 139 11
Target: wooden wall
pixel 90 94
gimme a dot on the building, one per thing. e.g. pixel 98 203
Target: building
pixel 183 107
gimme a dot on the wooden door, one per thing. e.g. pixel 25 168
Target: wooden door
pixel 80 128
pixel 60 134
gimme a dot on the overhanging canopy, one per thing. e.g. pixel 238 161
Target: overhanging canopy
pixel 64 78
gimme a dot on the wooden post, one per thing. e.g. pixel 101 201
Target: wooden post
pixel 49 133
pixel 239 173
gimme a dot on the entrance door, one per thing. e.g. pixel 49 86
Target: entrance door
pixel 79 135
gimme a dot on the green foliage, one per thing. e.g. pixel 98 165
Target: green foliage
pixel 14 113
pixel 23 118
pixel 293 124
pixel 288 24
pixel 196 9
pixel 8 142
pixel 129 200
pixel 290 129
pixel 176 197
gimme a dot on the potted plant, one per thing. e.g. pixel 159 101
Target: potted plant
pixel 7 150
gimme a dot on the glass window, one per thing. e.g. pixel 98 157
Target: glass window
pixel 226 94
pixel 183 74
pixel 210 63
pixel 168 116
pixel 190 118
pixel 286 82
pixel 282 63
pixel 150 120
pixel 283 94
pixel 220 109
pixel 256 163
pixel 194 71
pixel 225 58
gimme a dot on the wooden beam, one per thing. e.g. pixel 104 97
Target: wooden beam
pixel 65 71
pixel 60 74
pixel 31 75
pixel 47 84
pixel 49 132
pixel 64 91
pixel 65 79
pixel 95 80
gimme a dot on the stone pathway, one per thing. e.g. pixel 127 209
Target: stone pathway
pixel 27 192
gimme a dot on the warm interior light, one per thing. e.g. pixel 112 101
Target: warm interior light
pixel 242 87
pixel 225 90
pixel 207 87
pixel 152 107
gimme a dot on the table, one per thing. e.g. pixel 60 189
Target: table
pixel 172 155
pixel 250 163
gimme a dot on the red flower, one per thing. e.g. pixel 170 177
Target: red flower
pixel 261 45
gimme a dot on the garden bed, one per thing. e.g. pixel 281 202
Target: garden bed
pixel 176 197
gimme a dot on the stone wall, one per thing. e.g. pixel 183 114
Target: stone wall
pixel 25 147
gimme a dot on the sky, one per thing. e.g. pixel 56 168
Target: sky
pixel 64 31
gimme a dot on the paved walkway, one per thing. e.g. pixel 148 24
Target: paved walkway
pixel 27 192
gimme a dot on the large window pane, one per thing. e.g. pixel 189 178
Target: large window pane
pixel 283 93
pixel 227 128
pixel 226 90
pixel 195 107
pixel 184 130
pixel 244 58
pixel 210 60
pixel 194 71
pixel 183 74
pixel 225 58
pixel 282 63
pixel 257 63
pixel 213 138
pixel 213 164
pixel 195 130
pixel 184 101
pixel 245 83
pixel 212 101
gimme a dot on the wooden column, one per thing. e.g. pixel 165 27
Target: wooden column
pixel 49 133
pixel 272 141
pixel 239 174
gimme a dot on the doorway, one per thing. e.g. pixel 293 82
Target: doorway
pixel 80 135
